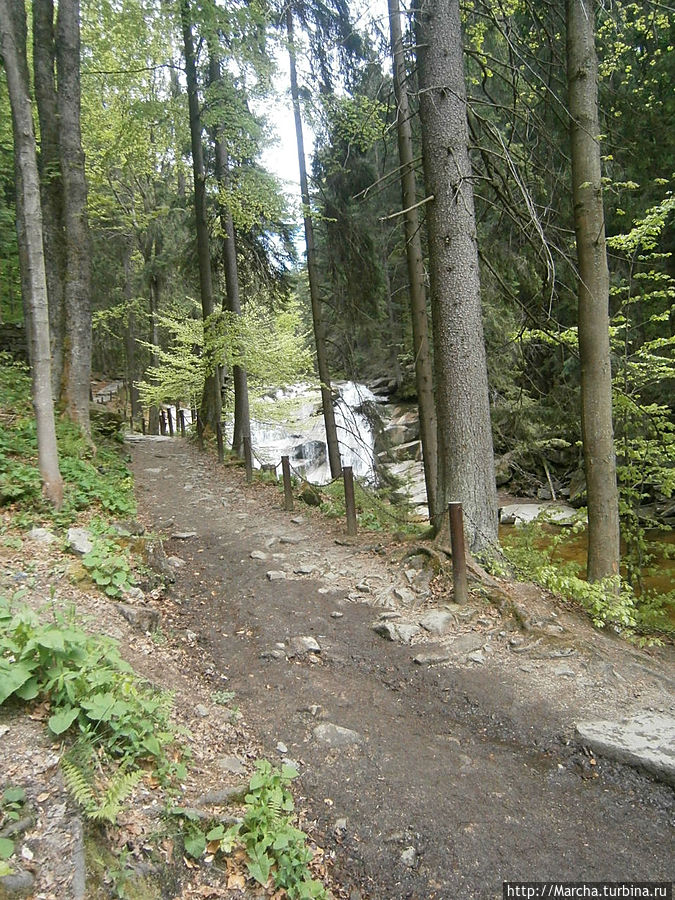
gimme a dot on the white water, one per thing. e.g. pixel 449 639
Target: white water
pixel 303 436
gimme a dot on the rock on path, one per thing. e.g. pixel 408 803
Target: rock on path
pixel 646 741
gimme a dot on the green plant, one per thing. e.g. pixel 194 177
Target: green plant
pixel 11 806
pixel 92 689
pixel 108 566
pixel 274 846
pixel 222 698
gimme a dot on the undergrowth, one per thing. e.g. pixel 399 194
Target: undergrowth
pixel 610 602
pixel 95 474
pixel 275 848
pixel 120 724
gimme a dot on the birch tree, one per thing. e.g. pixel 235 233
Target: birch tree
pixel 29 232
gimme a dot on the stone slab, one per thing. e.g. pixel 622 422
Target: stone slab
pixel 646 740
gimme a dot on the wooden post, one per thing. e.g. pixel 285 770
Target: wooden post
pixel 170 420
pixel 350 504
pixel 248 459
pixel 219 441
pixel 288 489
pixel 181 419
pixel 143 424
pixel 459 579
pixel 162 422
pixel 200 432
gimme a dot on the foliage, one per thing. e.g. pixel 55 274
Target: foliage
pixel 273 845
pixel 271 347
pixel 92 691
pixel 109 566
pixel 11 806
pixel 95 476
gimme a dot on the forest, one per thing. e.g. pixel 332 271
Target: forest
pixel 484 219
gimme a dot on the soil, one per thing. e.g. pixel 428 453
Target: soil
pixel 454 777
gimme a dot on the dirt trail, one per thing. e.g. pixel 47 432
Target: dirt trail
pixel 460 775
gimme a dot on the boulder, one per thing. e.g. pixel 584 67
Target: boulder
pixel 80 541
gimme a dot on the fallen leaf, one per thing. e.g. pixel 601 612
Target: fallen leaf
pixel 236 881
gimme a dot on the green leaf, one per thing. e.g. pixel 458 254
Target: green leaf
pixel 259 864
pixel 29 690
pixel 62 720
pixel 13 795
pixel 6 848
pixel 152 745
pixel 12 676
pixel 195 844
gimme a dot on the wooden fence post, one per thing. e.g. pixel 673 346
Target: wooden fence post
pixel 248 459
pixel 181 419
pixel 350 504
pixel 459 579
pixel 170 421
pixel 162 422
pixel 288 488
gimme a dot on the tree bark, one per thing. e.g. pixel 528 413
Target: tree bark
pixel 29 232
pixel 78 252
pixel 466 459
pixel 418 298
pixel 211 402
pixel 312 268
pixel 130 335
pixel 44 61
pixel 242 419
pixel 594 349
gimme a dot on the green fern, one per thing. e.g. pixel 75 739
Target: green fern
pixel 101 798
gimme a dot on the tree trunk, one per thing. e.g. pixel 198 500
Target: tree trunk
pixel 594 350
pixel 242 419
pixel 418 299
pixel 50 181
pixel 29 233
pixel 78 257
pixel 466 459
pixel 211 402
pixel 130 335
pixel 312 268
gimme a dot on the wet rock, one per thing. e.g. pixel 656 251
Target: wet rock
pixel 276 575
pixel 645 741
pixel 80 541
pixel 143 618
pixel 336 735
pixel 41 536
pixel 437 621
pixel 399 632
